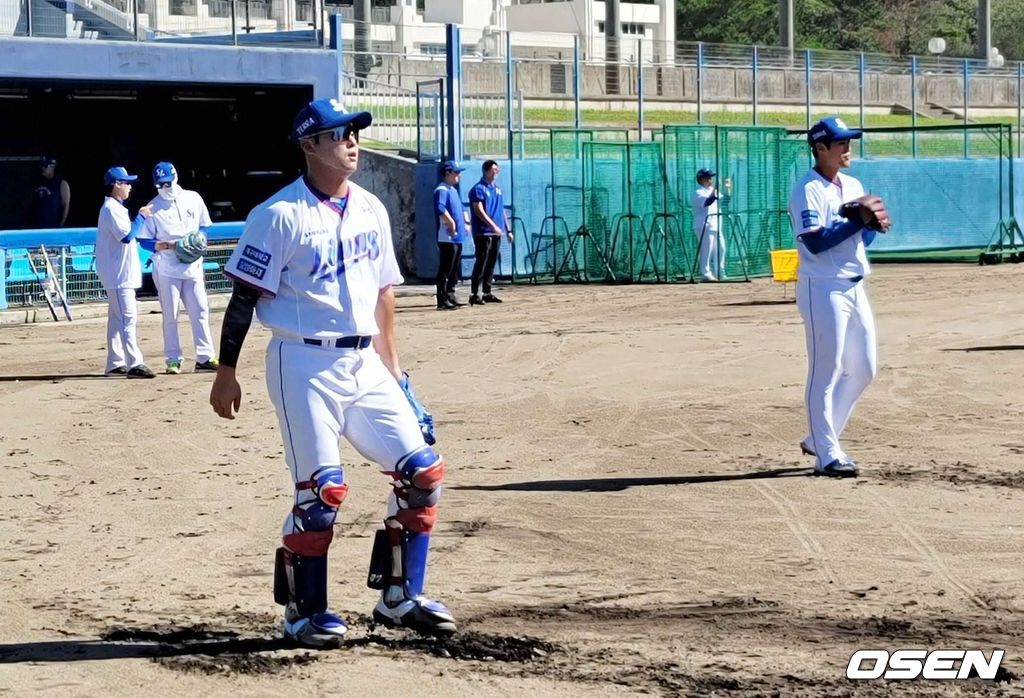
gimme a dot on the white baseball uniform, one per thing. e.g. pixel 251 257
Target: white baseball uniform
pixel 833 301
pixel 172 220
pixel 707 228
pixel 321 268
pixel 120 272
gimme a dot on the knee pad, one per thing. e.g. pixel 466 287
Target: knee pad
pixel 313 521
pixel 417 485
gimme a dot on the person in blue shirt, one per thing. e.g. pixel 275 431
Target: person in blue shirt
pixel 451 234
pixel 488 224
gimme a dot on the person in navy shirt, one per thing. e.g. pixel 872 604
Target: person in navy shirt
pixel 451 234
pixel 488 224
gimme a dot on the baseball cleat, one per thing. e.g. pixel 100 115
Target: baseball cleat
pixel 838 468
pixel 119 371
pixel 491 298
pixel 209 365
pixel 476 300
pixel 173 367
pixel 421 614
pixel 140 371
pixel 806 450
pixel 318 630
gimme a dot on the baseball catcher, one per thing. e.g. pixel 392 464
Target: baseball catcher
pixel 190 247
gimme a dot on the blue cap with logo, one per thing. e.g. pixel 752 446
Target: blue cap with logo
pixel 831 128
pixel 164 172
pixel 325 114
pixel 451 166
pixel 705 172
pixel 118 174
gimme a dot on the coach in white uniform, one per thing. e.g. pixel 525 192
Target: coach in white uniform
pixel 832 294
pixel 176 213
pixel 317 264
pixel 117 265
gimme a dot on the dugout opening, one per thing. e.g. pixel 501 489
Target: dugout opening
pixel 229 142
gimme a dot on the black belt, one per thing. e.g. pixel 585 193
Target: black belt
pixel 354 342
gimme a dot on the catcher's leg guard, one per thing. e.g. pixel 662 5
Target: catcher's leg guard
pixel 300 570
pixel 398 565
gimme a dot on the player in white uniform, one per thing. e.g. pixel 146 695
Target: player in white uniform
pixel 317 264
pixel 176 213
pixel 832 294
pixel 707 226
pixel 117 265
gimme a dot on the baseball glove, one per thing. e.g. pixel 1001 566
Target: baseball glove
pixel 425 419
pixel 870 210
pixel 191 247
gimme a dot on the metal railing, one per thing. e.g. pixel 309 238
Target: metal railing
pixel 394 109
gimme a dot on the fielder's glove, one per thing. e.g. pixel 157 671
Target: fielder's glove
pixel 191 247
pixel 425 419
pixel 870 210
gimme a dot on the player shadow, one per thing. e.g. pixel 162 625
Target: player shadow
pixel 619 484
pixel 780 301
pixel 995 347
pixel 100 649
pixel 58 377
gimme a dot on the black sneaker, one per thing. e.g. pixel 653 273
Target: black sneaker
pixel 119 371
pixel 446 304
pixel 491 298
pixel 140 371
pixel 476 300
pixel 210 365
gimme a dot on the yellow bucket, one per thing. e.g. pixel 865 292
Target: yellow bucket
pixel 784 265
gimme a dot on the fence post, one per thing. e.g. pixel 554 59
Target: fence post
pixel 453 65
pixel 28 19
pixel 807 86
pixel 700 82
pixel 753 82
pixel 640 87
pixel 860 95
pixel 576 80
pixel 135 18
pixel 337 45
pixel 508 96
pixel 913 106
pixel 967 97
pixel 234 23
pixel 1020 74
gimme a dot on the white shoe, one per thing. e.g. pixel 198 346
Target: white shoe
pixel 710 277
pixel 318 630
pixel 421 614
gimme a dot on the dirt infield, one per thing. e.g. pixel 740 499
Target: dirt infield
pixel 626 512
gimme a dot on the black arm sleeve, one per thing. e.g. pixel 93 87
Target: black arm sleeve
pixel 237 320
pixel 710 200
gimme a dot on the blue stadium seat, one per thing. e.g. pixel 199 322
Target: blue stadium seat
pixel 20 270
pixel 82 259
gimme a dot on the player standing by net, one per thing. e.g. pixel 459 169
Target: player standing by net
pixel 834 222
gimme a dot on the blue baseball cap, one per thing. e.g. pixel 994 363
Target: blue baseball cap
pixel 118 174
pixel 47 160
pixel 451 166
pixel 831 128
pixel 323 115
pixel 705 172
pixel 164 172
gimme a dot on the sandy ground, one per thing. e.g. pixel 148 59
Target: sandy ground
pixel 626 512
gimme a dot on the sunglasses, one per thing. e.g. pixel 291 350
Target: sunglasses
pixel 342 133
pixel 165 185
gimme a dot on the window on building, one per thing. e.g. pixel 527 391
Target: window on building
pixel 600 27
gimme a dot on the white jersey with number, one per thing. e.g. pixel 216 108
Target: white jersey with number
pixel 172 220
pixel 320 267
pixel 117 263
pixel 814 203
pixel 704 214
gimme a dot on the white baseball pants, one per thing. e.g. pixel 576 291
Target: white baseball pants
pixel 842 357
pixel 192 292
pixel 712 254
pixel 323 394
pixel 122 316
